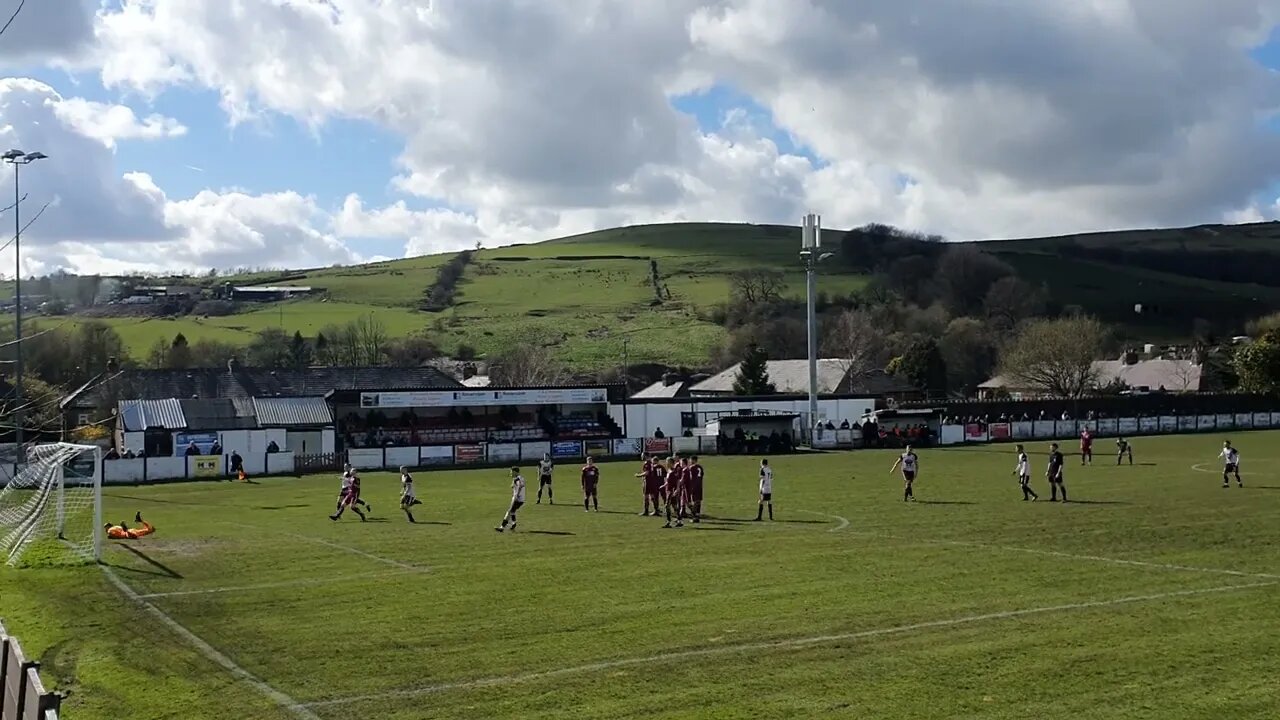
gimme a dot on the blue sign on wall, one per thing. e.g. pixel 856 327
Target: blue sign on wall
pixel 566 449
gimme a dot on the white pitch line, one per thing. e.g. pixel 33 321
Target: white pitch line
pixel 844 521
pixel 339 546
pixel 1200 467
pixel 774 645
pixel 265 586
pixel 210 652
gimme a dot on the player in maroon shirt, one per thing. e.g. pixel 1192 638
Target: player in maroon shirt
pixel 675 488
pixel 653 476
pixel 590 485
pixel 693 475
pixel 1086 447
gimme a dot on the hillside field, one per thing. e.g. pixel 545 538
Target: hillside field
pixel 582 296
pixel 1152 595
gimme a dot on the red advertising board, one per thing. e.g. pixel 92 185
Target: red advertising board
pixel 1001 431
pixel 468 454
pixel 974 431
pixel 657 446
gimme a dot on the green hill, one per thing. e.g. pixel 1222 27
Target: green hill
pixel 585 295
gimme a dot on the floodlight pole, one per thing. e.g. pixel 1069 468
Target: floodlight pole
pixel 18 158
pixel 811 243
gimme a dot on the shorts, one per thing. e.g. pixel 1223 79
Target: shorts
pixel 1230 468
pixel 652 489
pixel 1024 479
pixel 544 480
pixel 1056 478
pixel 695 493
pixel 766 497
pixel 590 488
pixel 909 475
pixel 515 505
pixel 407 499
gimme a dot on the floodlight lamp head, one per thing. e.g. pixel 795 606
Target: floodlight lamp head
pixel 12 155
pixel 35 156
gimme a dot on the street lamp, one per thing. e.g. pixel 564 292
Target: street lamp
pixel 18 158
pixel 811 255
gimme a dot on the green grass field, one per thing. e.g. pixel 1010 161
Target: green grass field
pixel 1152 595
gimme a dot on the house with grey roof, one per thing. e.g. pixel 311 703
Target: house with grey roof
pixel 791 377
pixel 1138 375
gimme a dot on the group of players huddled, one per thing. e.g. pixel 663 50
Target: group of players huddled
pixel 674 486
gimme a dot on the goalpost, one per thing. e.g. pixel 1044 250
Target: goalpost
pixel 51 510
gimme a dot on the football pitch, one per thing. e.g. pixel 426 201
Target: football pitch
pixel 1155 593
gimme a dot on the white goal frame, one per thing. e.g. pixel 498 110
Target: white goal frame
pixel 18 531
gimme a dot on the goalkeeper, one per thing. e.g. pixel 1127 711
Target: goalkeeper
pixel 122 531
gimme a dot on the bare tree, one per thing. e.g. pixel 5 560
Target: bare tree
pixel 526 365
pixel 371 339
pixel 1010 300
pixel 854 338
pixel 1056 356
pixel 757 285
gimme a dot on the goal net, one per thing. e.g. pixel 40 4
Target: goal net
pixel 51 510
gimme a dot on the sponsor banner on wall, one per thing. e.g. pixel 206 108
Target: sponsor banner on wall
pixel 534 450
pixel 974 432
pixel 503 452
pixel 1275 419
pixel 435 455
pixel 1044 429
pixel 1023 431
pixel 1225 422
pixel 627 446
pixel 1001 431
pixel 206 465
pixel 844 437
pixel 483 398
pixel 468 454
pixel 203 441
pixel 709 444
pixel 598 448
pixel 1206 422
pixel 1149 424
pixel 362 458
pixel 1090 425
pixel 1128 426
pixel 1244 421
pixel 1262 420
pixel 566 449
pixel 1187 422
pixel 657 446
pixel 1168 423
pixel 951 435
pixel 1110 426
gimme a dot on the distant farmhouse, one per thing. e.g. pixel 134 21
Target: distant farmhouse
pixel 264 293
pixel 1154 375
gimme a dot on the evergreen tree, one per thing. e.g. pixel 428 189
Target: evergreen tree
pixel 179 352
pixel 753 373
pixel 300 355
pixel 922 365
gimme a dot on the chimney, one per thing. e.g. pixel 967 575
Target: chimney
pixel 669 379
pixel 112 365
pixel 1130 357
pixel 468 371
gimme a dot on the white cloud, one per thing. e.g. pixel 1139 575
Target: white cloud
pixel 48 31
pixel 102 220
pixel 108 123
pixel 541 119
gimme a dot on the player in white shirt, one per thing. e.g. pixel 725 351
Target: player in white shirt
pixel 407 496
pixel 910 463
pixel 1230 464
pixel 1023 471
pixel 517 499
pixel 545 467
pixel 766 490
pixel 349 494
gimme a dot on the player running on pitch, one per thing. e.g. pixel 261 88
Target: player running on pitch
pixel 1054 472
pixel 590 485
pixel 1123 448
pixel 910 463
pixel 348 495
pixel 766 490
pixel 123 532
pixel 517 500
pixel 1023 471
pixel 545 466
pixel 407 496
pixel 1230 464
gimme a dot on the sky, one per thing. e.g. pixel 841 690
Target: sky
pixel 185 135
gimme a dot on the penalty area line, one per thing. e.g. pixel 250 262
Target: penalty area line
pixel 788 644
pixel 338 546
pixel 844 521
pixel 209 652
